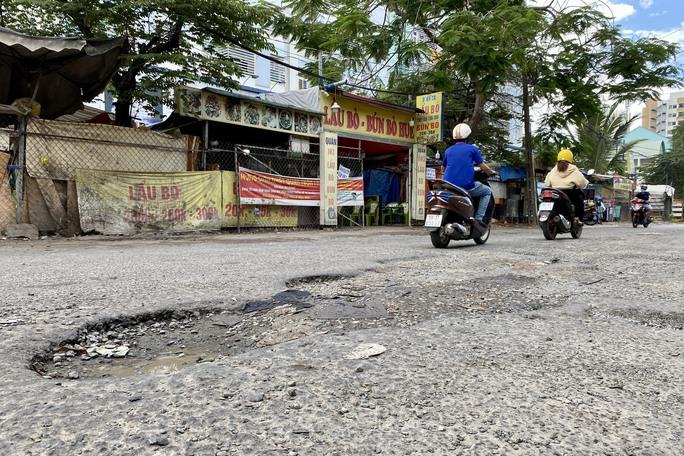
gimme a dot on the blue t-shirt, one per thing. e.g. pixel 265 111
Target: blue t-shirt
pixel 458 162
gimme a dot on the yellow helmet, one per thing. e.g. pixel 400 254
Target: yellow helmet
pixel 565 155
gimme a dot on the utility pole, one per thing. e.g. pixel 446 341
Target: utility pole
pixel 529 153
pixel 320 68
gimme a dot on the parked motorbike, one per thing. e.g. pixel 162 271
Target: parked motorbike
pixel 450 214
pixel 556 214
pixel 590 213
pixel 637 211
pixel 593 211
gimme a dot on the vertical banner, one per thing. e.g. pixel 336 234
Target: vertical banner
pixel 429 124
pixel 418 182
pixel 329 174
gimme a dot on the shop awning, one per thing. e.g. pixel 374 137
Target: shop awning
pixel 61 72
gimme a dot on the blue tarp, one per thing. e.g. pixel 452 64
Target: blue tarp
pixel 507 173
pixel 382 183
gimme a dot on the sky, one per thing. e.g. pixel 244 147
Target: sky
pixel 663 19
pixel 638 18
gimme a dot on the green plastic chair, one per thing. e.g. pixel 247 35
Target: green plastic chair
pixel 356 214
pixel 390 212
pixel 372 209
pixel 404 213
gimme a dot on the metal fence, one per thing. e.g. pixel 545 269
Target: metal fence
pixel 38 182
pixel 275 161
pixel 56 149
pixel 350 161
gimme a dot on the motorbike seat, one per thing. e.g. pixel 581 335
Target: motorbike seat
pixel 455 188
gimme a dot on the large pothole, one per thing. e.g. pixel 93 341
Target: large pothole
pixel 168 341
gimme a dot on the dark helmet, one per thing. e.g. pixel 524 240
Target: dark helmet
pixel 643 187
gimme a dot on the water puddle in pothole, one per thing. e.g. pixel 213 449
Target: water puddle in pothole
pixel 162 364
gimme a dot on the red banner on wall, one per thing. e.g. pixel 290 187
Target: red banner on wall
pixel 263 188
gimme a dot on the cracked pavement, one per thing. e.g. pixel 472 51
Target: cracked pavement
pixel 520 346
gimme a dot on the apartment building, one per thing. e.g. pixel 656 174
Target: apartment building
pixel 663 116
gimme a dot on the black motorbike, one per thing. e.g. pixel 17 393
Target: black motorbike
pixel 637 212
pixel 450 213
pixel 557 214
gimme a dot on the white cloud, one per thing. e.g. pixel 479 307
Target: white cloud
pixel 646 3
pixel 659 13
pixel 615 10
pixel 674 35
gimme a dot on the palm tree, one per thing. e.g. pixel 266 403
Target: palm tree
pixel 599 141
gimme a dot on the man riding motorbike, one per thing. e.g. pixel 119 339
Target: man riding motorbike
pixel 567 177
pixel 644 195
pixel 457 166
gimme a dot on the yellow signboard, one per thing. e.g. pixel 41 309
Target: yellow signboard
pixel 115 202
pixel 252 215
pixel 429 124
pixel 367 120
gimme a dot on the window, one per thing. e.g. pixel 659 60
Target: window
pixel 277 70
pixel 245 60
pixel 681 105
pixel 303 84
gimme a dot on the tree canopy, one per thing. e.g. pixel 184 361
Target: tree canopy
pixel 569 59
pixel 170 42
pixel 668 168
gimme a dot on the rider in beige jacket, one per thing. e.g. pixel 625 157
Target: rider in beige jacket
pixel 567 177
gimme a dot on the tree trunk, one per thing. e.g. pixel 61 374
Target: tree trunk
pixel 125 86
pixel 478 110
pixel 529 153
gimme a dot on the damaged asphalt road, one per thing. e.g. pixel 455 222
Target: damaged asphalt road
pixel 241 344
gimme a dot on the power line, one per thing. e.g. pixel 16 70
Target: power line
pixel 304 70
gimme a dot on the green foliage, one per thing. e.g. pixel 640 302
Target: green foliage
pixel 170 42
pixel 546 152
pixel 598 141
pixel 668 168
pixel 571 58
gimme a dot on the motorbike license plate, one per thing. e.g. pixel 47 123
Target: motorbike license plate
pixel 546 206
pixel 433 220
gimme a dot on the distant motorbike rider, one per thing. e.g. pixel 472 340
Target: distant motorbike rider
pixel 567 177
pixel 644 195
pixel 458 169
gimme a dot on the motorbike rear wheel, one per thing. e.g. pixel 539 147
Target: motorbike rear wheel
pixel 635 220
pixel 576 231
pixel 439 238
pixel 550 230
pixel 482 239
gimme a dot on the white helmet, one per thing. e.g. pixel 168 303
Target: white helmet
pixel 462 131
